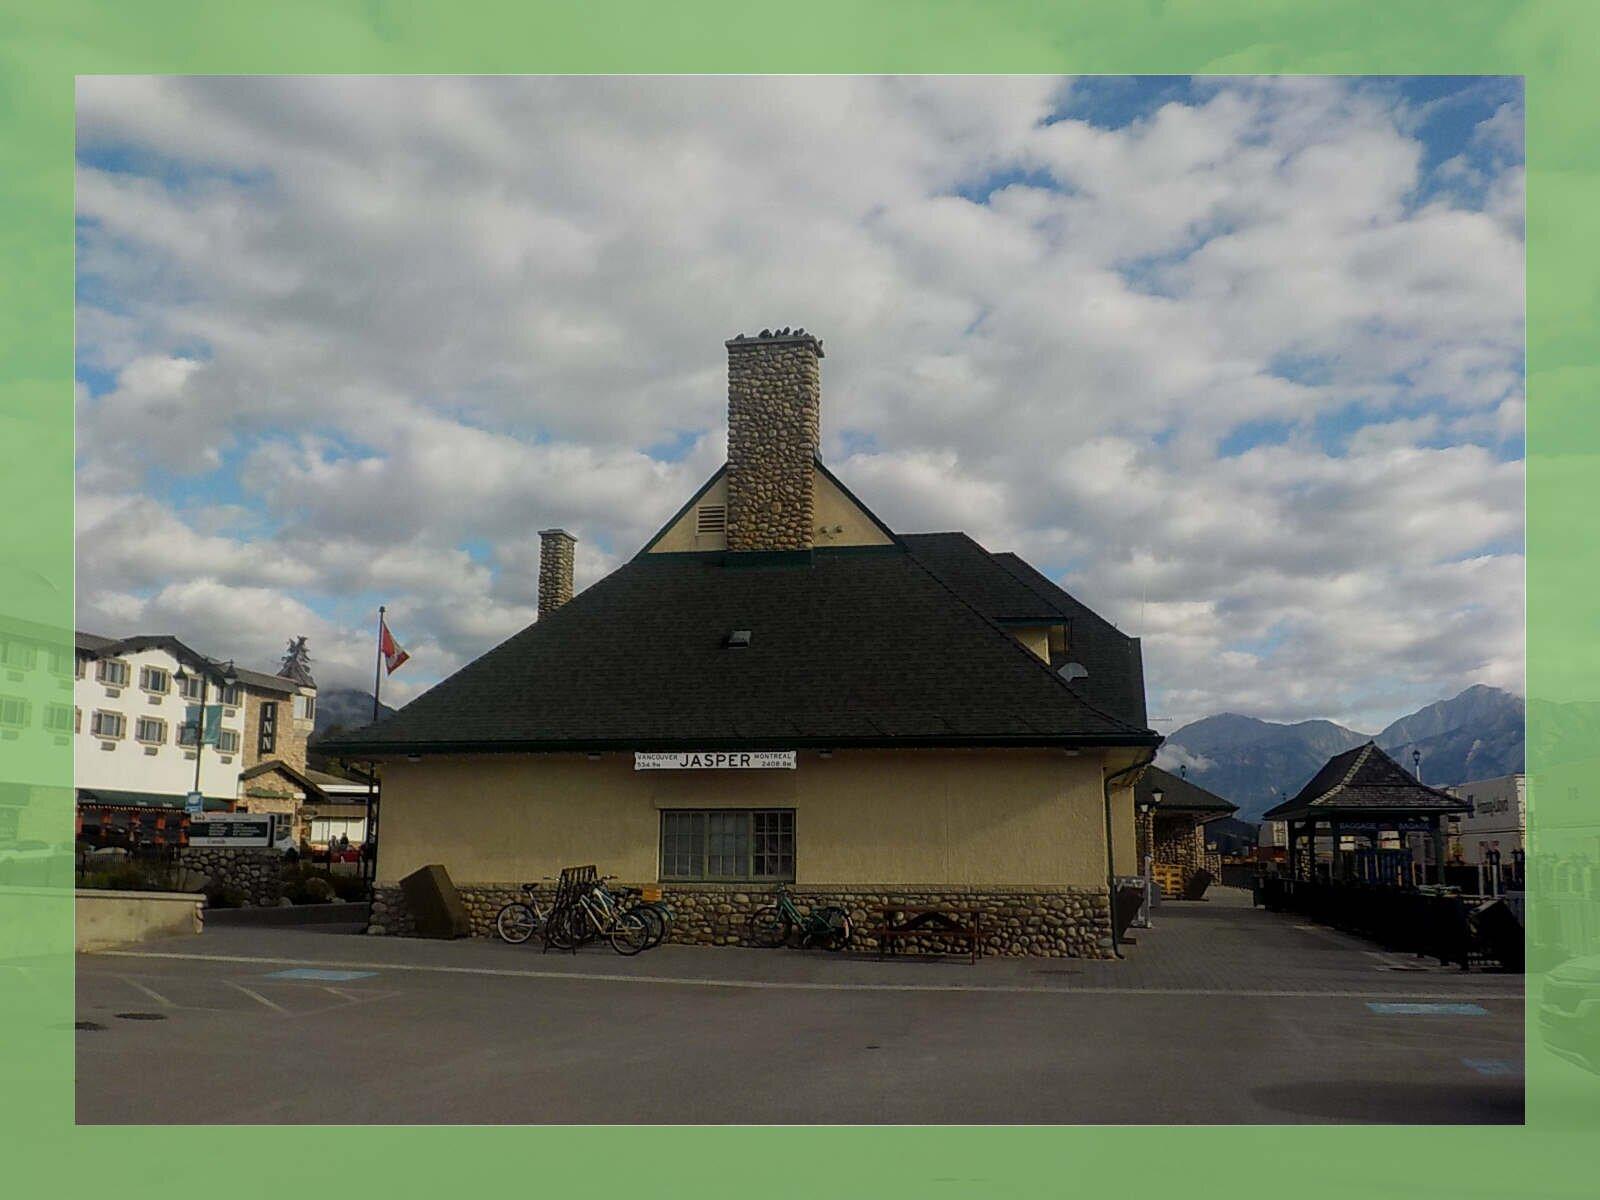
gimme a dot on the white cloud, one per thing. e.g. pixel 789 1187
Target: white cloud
pixel 415 320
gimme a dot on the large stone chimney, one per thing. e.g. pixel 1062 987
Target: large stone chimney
pixel 774 426
pixel 555 569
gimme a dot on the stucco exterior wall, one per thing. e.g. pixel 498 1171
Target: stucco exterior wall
pixel 839 520
pixel 980 818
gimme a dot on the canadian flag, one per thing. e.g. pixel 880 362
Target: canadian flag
pixel 394 654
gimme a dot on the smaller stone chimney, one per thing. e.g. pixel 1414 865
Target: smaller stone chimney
pixel 774 426
pixel 555 569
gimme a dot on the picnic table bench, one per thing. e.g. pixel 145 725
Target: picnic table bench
pixel 901 922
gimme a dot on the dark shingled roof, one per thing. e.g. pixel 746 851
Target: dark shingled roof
pixel 848 647
pixel 1365 781
pixel 1180 795
pixel 1114 660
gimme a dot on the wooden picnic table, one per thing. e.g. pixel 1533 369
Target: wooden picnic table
pixel 901 922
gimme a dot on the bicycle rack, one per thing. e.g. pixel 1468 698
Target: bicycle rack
pixel 573 882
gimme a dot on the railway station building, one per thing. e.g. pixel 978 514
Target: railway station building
pixel 778 688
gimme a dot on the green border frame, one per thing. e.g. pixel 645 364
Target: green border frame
pixel 45 43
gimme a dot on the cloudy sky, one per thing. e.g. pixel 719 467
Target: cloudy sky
pixel 1239 362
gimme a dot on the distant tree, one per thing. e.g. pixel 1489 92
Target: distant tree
pixel 297 663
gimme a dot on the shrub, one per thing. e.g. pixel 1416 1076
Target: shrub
pixel 221 896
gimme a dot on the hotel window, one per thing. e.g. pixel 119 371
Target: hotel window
pixel 80 666
pixel 108 725
pixel 268 738
pixel 231 696
pixel 228 741
pixel 58 663
pixel 60 718
pixel 154 679
pixel 13 712
pixel 191 685
pixel 112 672
pixel 19 656
pixel 727 844
pixel 305 708
pixel 150 730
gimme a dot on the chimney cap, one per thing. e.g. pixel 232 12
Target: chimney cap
pixel 782 336
pixel 557 533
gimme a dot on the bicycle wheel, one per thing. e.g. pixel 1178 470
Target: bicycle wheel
pixel 516 923
pixel 655 925
pixel 558 929
pixel 839 930
pixel 769 928
pixel 629 934
pixel 665 913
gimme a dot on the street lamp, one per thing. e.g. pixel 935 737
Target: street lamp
pixel 1416 763
pixel 226 678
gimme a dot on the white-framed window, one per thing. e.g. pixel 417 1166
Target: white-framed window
pixel 60 718
pixel 152 731
pixel 112 672
pixel 19 656
pixel 228 741
pixel 80 665
pixel 231 696
pixel 189 689
pixel 727 844
pixel 14 712
pixel 155 679
pixel 108 724
pixel 305 708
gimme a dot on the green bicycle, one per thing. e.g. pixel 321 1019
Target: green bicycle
pixel 776 925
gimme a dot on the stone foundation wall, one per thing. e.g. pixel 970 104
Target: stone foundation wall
pixel 1017 921
pixel 258 873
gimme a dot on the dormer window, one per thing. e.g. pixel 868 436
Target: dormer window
pixel 739 639
pixel 711 519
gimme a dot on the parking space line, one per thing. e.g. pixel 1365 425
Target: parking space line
pixel 151 992
pixel 821 986
pixel 255 995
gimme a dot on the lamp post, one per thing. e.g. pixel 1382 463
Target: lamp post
pixel 1147 821
pixel 1416 763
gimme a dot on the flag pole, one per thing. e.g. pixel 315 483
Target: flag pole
pixel 369 865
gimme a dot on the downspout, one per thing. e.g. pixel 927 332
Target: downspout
pixel 1111 869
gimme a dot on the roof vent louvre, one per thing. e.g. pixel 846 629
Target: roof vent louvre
pixel 711 518
pixel 739 639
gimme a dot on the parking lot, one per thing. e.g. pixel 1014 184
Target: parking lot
pixel 1220 1014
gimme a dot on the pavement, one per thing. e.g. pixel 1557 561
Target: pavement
pixel 1220 1014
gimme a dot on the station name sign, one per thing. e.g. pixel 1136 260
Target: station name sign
pixel 715 760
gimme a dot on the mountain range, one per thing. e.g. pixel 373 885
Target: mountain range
pixel 345 708
pixel 1477 734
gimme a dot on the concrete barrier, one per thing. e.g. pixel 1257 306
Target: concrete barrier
pixel 111 918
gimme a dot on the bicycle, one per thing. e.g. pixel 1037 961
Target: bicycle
pixel 775 925
pixel 519 920
pixel 593 913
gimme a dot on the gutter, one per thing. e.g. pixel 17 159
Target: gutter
pixel 1111 870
